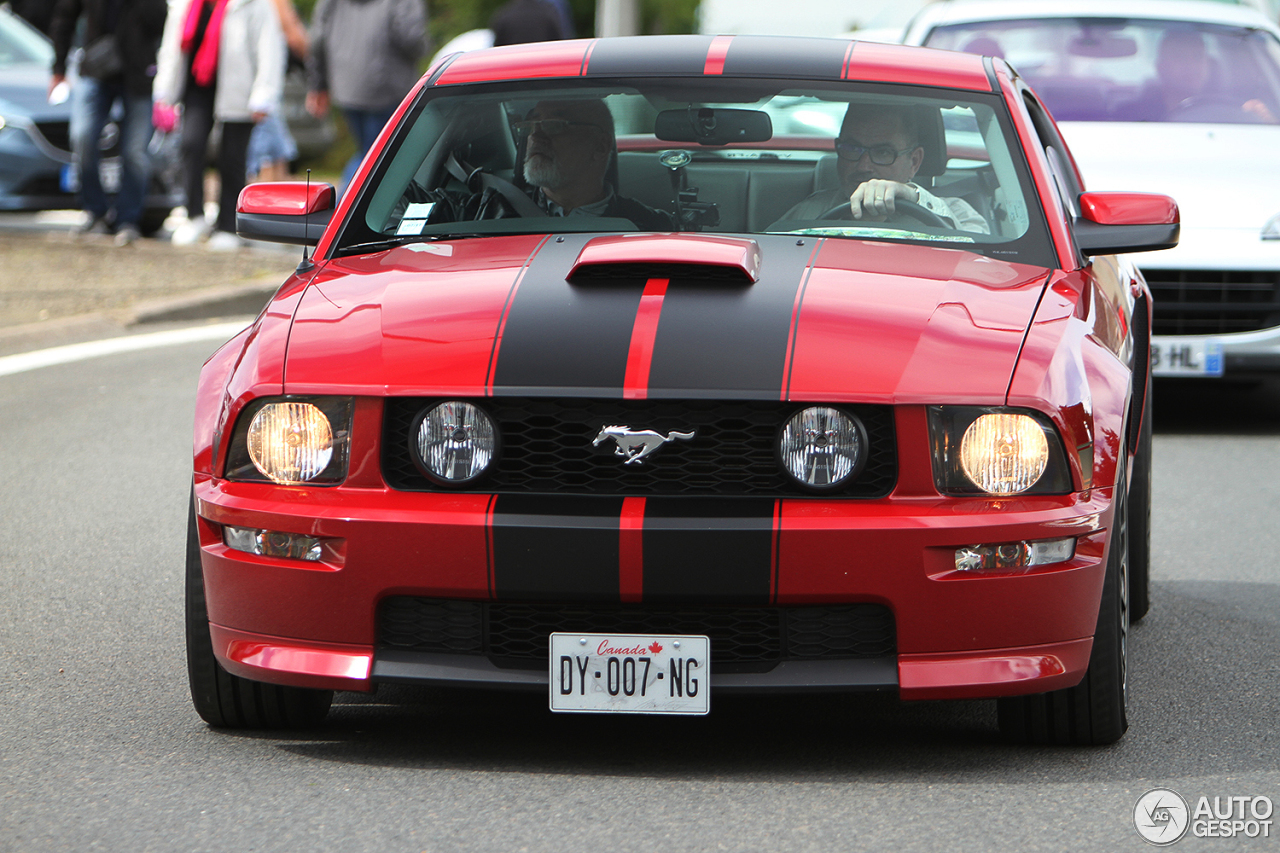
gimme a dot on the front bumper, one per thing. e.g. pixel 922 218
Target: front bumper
pixel 316 624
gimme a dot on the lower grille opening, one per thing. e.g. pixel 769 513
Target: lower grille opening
pixel 1213 302
pixel 743 639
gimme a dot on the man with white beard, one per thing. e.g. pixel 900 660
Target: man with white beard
pixel 569 146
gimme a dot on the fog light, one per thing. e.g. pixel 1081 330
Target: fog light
pixel 822 448
pixel 455 442
pixel 272 543
pixel 1014 556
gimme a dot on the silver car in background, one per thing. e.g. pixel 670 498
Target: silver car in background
pixel 37 168
pixel 1176 98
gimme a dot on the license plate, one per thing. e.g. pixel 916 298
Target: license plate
pixel 1186 357
pixel 630 673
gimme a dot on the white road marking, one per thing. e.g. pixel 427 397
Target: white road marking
pixel 21 362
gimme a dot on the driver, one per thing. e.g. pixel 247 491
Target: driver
pixel 878 154
pixel 569 147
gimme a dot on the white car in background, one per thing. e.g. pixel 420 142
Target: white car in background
pixel 1180 98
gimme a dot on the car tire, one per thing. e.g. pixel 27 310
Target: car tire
pixel 1140 520
pixel 1094 711
pixel 224 700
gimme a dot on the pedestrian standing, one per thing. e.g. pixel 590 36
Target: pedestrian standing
pixel 118 65
pixel 364 59
pixel 521 21
pixel 271 146
pixel 221 60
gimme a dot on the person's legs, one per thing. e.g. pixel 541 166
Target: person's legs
pixel 197 124
pixel 231 170
pixel 97 108
pixel 135 135
pixel 365 125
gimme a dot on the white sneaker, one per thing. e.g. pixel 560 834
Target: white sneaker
pixel 189 233
pixel 224 241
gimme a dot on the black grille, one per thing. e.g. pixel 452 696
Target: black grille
pixel 56 134
pixel 1214 302
pixel 742 638
pixel 547 447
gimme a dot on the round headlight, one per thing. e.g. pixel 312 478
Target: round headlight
pixel 822 448
pixel 290 442
pixel 1004 454
pixel 455 442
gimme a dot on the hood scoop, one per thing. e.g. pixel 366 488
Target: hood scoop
pixel 728 260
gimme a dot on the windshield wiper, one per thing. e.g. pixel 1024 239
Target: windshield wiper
pixel 393 242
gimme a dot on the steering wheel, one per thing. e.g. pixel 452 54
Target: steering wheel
pixel 1212 107
pixel 910 208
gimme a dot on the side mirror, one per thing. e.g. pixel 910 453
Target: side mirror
pixel 1112 223
pixel 708 126
pixel 287 212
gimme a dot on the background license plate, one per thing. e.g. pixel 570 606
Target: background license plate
pixel 1186 357
pixel 630 673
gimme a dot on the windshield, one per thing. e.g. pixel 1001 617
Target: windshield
pixel 733 156
pixel 1113 69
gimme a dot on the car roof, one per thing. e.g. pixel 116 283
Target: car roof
pixel 1200 11
pixel 751 56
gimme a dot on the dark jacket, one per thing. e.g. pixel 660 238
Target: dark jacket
pixel 523 21
pixel 138 27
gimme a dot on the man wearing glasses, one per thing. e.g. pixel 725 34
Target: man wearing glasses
pixel 568 149
pixel 878 155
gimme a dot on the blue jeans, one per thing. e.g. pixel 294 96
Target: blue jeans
pixel 135 133
pixel 365 125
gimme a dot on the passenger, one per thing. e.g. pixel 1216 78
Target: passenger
pixel 568 149
pixel 879 153
pixel 1183 88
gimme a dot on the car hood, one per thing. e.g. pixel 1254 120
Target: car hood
pixel 629 316
pixel 24 91
pixel 1221 175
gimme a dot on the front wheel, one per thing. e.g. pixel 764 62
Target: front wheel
pixel 1094 711
pixel 227 701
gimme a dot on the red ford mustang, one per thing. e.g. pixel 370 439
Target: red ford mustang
pixel 640 371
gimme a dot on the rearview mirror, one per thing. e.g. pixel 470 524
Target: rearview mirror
pixel 1111 223
pixel 708 126
pixel 294 212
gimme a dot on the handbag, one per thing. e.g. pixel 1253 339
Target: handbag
pixel 101 59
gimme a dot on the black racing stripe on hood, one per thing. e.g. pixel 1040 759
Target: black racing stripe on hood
pixel 711 550
pixel 572 339
pixel 550 547
pixel 726 341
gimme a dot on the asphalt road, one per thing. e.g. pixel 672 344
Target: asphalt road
pixel 101 750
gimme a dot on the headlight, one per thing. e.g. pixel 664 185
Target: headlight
pixel 822 448
pixel 292 441
pixel 996 451
pixel 454 443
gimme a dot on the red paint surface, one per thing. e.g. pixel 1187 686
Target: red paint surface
pixel 1129 208
pixel 716 54
pixel 286 198
pixel 276 660
pixel 631 550
pixel 891 63
pixel 640 355
pixel 698 249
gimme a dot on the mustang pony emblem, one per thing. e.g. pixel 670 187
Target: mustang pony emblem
pixel 635 445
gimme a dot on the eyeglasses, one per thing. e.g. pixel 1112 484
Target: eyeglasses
pixel 550 126
pixel 881 155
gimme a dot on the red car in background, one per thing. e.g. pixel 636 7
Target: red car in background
pixel 707 434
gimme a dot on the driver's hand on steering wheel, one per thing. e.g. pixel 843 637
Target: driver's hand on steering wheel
pixel 873 199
